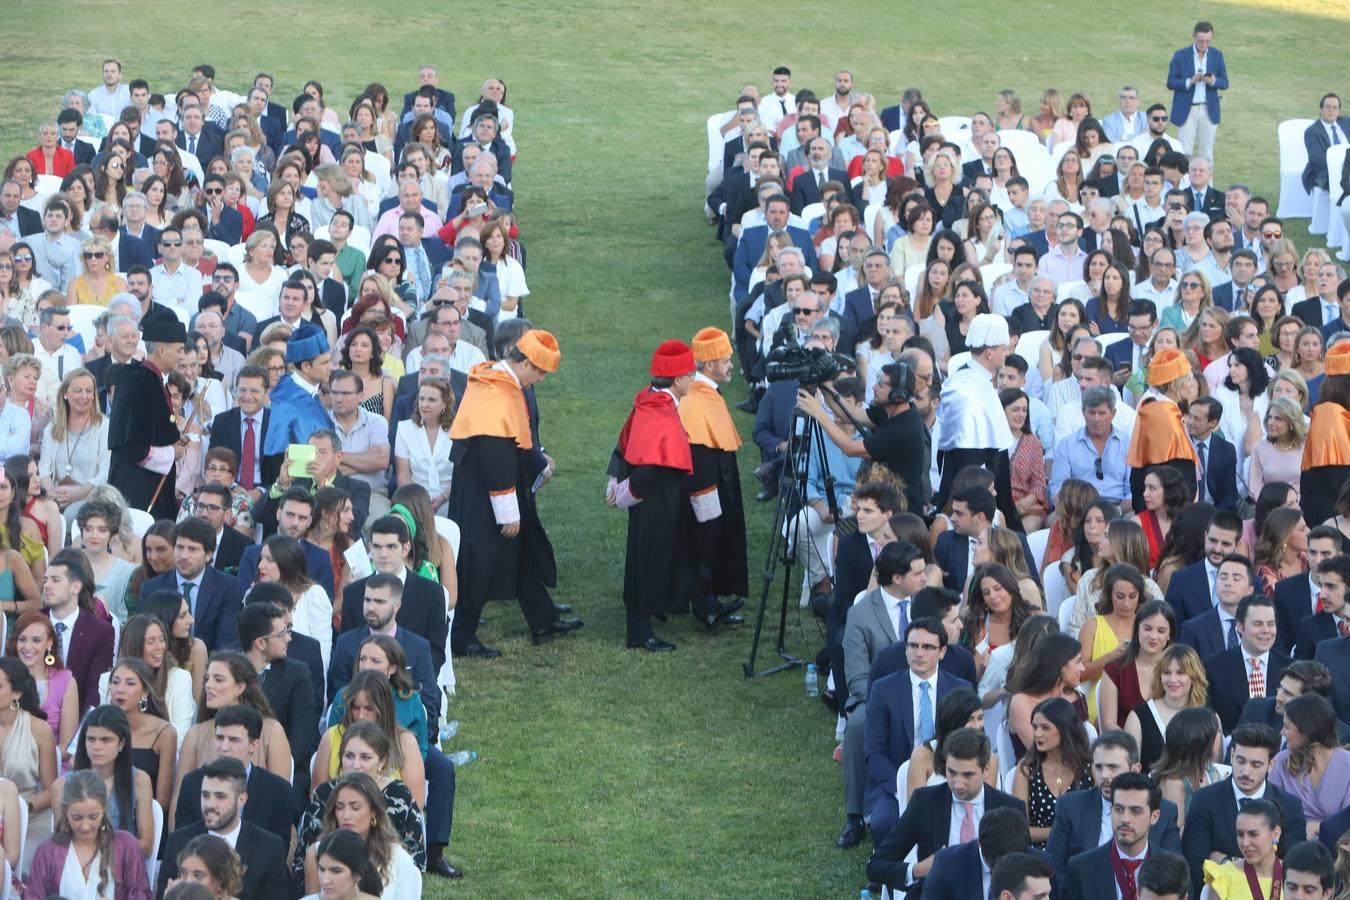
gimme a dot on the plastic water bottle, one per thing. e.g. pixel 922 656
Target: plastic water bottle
pixel 463 758
pixel 812 681
pixel 450 730
pixel 865 895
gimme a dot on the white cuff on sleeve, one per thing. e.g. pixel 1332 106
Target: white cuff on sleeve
pixel 159 460
pixel 707 505
pixel 505 507
pixel 624 498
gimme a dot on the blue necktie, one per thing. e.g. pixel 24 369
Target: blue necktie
pixel 1232 634
pixel 925 714
pixel 1204 471
pixel 1335 134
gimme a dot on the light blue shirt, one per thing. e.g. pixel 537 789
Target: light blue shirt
pixel 15 431
pixel 845 471
pixel 1076 457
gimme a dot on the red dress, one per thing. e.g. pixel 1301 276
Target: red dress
pixel 1126 680
pixel 1153 534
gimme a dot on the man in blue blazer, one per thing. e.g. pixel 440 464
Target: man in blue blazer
pixel 294 513
pixel 212 597
pixel 753 239
pixel 957 872
pixel 133 251
pixel 1192 589
pixel 1211 821
pixel 1136 804
pixel 1335 655
pixel 894 724
pixel 222 223
pixel 1331 576
pixel 1080 815
pixel 1195 76
pixel 934 813
pixel 860 313
pixel 1231 672
pixel 1216 630
pixel 972 515
pixel 1330 128
pixel 773 420
pixel 1217 457
pixel 383 598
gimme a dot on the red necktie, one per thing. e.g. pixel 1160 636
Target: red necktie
pixel 1124 870
pixel 247 456
pixel 1256 681
pixel 1320 608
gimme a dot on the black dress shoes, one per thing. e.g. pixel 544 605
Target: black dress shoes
pixel 562 608
pixel 767 471
pixel 554 629
pixel 852 835
pixel 768 492
pixel 733 606
pixel 479 650
pixel 440 866
pixel 652 644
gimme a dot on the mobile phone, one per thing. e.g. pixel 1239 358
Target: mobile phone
pixel 478 209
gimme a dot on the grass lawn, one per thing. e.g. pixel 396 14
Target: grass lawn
pixel 605 772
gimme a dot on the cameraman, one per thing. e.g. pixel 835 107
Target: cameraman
pixel 815 518
pixel 898 439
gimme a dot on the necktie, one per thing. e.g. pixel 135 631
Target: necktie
pixel 1232 634
pixel 783 104
pixel 247 454
pixel 820 179
pixel 967 822
pixel 904 622
pixel 875 548
pixel 1256 680
pixel 61 641
pixel 1130 890
pixel 1320 607
pixel 1204 489
pixel 1335 134
pixel 1199 199
pixel 191 601
pixel 192 145
pixel 423 273
pixel 926 731
pixel 60 368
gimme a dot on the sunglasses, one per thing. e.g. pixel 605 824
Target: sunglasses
pixel 213 191
pixel 171 243
pixel 1097 469
pixel 1176 206
pixel 19 259
pixel 804 311
pixel 1268 235
pixel 1188 285
pixel 97 254
pixel 393 259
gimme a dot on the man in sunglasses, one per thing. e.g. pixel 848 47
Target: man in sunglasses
pixel 222 223
pixel 1157 131
pixel 50 349
pixel 175 284
pixel 1095 453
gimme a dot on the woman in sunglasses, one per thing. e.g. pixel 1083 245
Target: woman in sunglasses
pixel 99 281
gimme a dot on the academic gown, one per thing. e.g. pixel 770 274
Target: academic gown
pixel 141 420
pixel 1326 461
pixel 492 451
pixel 653 456
pixel 1159 439
pixel 296 414
pixel 975 432
pixel 718 545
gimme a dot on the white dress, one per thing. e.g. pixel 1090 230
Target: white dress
pixel 271 288
pixel 76 886
pixel 405 881
pixel 314 618
pixel 429 464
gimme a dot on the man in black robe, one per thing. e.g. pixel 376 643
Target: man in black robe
pixel 504 551
pixel 647 478
pixel 143 433
pixel 717 539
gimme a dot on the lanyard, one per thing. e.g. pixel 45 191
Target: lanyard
pixel 1276 880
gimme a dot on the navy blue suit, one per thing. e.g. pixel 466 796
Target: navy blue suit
pixel 215 606
pixel 1179 72
pixel 1223 296
pixel 751 248
pixel 1293 604
pixel 133 251
pixel 952 555
pixel 957 873
pixel 272 130
pixel 1038 241
pixel 1228 691
pixel 1317 142
pixel 1121 353
pixel 957 662
pixel 1312 631
pixel 417 653
pixel 1335 655
pixel 1189 592
pixel 444 100
pixel 773 419
pixel 319 564
pixel 227 431
pixel 805 191
pixel 1205 633
pixel 859 317
pixel 1332 828
pixel 228 228
pixel 1078 826
pixel 1221 472
pixel 888 740
pixel 1211 824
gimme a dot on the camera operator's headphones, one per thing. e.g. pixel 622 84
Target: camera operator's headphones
pixel 902 382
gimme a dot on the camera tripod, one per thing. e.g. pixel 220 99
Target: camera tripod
pixel 806 447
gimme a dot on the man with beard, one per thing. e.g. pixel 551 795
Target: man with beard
pixel 504 551
pixel 647 476
pixel 718 538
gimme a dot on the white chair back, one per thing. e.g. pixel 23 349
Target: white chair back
pixel 1056 588
pixel 901 794
pixel 23 834
pixel 715 140
pixel 360 238
pixel 47 185
pixel 1106 340
pixel 955 128
pixel 1336 236
pixel 82 316
pixel 218 249
pixel 449 529
pixel 141 522
pixel 812 211
pixel 380 167
pixel 1007 757
pixel 1295 202
pixel 235 255
pixel 1064 611
pixel 152 861
pixel 991 272
pixel 1029 346
pixel 1033 160
pixel 912 276
pixel 1075 289
pixel 1038 540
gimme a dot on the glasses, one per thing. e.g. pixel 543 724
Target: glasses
pixel 5 265
pixel 66 327
pixel 396 260
pixel 214 191
pixel 1079 357
pixel 1157 118
pixel 283 633
pixel 227 278
pixel 805 311
pixel 171 243
pixel 209 507
pixel 925 648
pixel 23 259
pixel 1176 206
pixel 97 254
pixel 1097 469
pixel 1268 235
pixel 1191 285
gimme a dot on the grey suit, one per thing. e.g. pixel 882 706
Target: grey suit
pixel 868 631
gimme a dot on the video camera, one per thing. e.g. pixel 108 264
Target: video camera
pixel 788 360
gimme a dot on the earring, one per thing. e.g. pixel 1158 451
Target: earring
pixel 50 660
pixel 144 704
pixel 14 704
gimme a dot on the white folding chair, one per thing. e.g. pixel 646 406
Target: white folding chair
pixel 449 529
pixel 1295 202
pixel 235 255
pixel 912 276
pixel 23 836
pixel 216 248
pixel 1056 589
pixel 1033 160
pixel 141 521
pixel 360 238
pixel 1029 346
pixel 152 861
pixel 47 185
pixel 1336 236
pixel 812 211
pixel 1064 612
pixel 901 795
pixel 1007 757
pixel 1038 540
pixel 952 127
pixel 380 167
pixel 82 316
pixel 1075 289
pixel 1106 340
pixel 991 272
pixel 715 139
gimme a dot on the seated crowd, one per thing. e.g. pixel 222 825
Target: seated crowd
pixel 1084 650
pixel 245 691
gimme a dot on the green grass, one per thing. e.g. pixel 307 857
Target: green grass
pixel 605 772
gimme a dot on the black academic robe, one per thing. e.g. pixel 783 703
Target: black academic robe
pixel 718 545
pixel 656 569
pixel 141 419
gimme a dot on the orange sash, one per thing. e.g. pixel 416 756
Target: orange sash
pixel 493 406
pixel 707 420
pixel 1159 435
pixel 1328 441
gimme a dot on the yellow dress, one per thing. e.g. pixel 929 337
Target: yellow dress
pixel 1228 882
pixel 1104 640
pixel 84 292
pixel 30 548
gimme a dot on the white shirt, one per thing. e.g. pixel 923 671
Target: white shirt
pixel 230 837
pixel 1008 296
pixel 69 622
pixel 773 109
pixel 915 693
pixel 1239 796
pixel 1213 574
pixel 1162 298
pixel 959 814
pixel 1200 87
pixel 429 463
pixel 174 289
pixel 465 356
pixel 1142 854
pixel 55 365
pixel 893 605
pixel 1146 214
